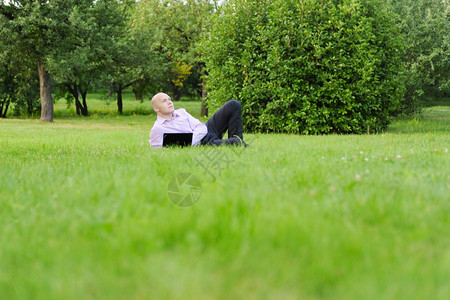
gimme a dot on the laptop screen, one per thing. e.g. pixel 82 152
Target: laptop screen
pixel 177 139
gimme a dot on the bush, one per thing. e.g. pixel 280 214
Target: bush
pixel 425 29
pixel 307 66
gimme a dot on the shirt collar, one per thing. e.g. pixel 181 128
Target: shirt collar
pixel 161 120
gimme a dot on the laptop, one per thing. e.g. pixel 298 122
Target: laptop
pixel 177 139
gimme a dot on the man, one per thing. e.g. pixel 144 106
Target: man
pixel 169 120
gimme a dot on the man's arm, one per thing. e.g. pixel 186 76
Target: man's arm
pixel 199 129
pixel 156 137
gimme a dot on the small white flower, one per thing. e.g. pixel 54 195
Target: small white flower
pixel 358 177
pixel 399 156
pixel 360 152
pixel 446 150
pixel 412 150
pixel 343 158
pixel 366 159
pixel 367 171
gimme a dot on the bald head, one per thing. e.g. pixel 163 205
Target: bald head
pixel 159 96
pixel 163 105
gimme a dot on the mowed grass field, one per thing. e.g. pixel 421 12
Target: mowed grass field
pixel 85 212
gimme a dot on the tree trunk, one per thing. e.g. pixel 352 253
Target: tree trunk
pixel 204 109
pixel 76 95
pixel 46 94
pixel 110 89
pixel 119 98
pixel 176 93
pixel 30 105
pixel 137 89
pixel 137 94
pixel 85 108
pixel 77 106
pixel 1 107
pixel 4 107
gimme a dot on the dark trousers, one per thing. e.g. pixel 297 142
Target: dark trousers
pixel 228 117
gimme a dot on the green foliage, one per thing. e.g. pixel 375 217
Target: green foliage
pixel 77 41
pixel 94 27
pixel 7 90
pixel 172 28
pixel 27 100
pixel 150 45
pixel 19 86
pixel 425 27
pixel 92 40
pixel 306 67
pixel 39 29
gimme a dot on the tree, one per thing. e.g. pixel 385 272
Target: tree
pixel 94 29
pixel 132 61
pixel 173 28
pixel 18 83
pixel 44 31
pixel 7 84
pixel 127 66
pixel 32 27
pixel 425 27
pixel 310 67
pixel 7 90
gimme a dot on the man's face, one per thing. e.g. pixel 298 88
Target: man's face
pixel 163 104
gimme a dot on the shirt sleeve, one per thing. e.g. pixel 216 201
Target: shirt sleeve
pixel 156 137
pixel 199 129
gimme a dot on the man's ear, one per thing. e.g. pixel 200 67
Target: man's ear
pixel 155 108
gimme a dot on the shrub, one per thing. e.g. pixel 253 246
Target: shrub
pixel 306 66
pixel 425 29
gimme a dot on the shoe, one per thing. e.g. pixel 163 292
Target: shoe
pixel 230 141
pixel 241 141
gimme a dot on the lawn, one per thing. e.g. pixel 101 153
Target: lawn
pixel 85 212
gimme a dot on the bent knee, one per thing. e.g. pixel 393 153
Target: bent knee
pixel 235 103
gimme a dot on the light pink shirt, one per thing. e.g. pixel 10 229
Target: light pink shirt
pixel 182 122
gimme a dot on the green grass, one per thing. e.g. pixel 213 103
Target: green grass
pixel 85 214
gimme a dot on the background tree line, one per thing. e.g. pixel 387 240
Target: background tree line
pixel 298 66
pixel 70 46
